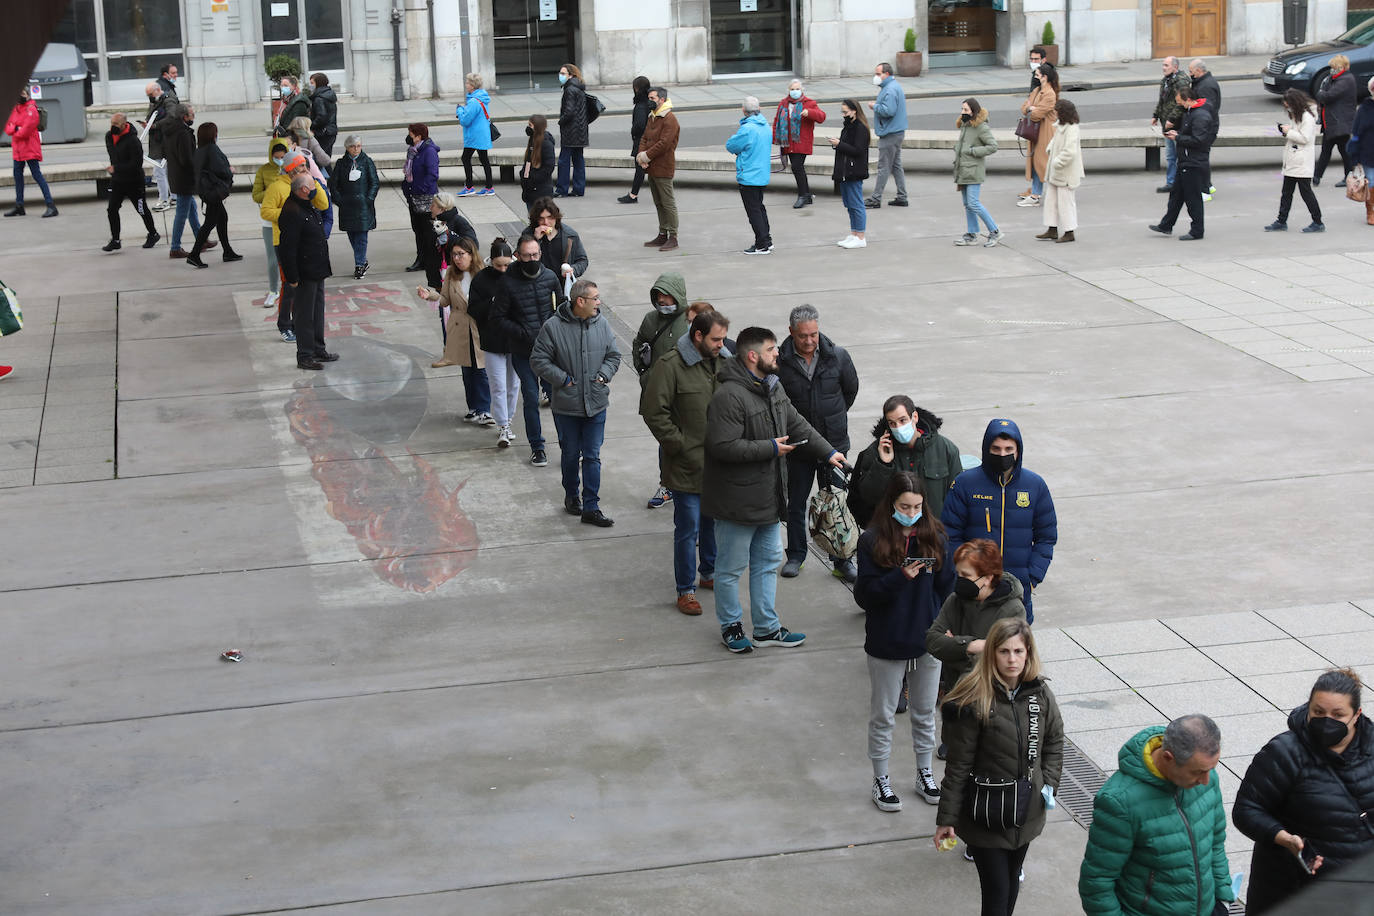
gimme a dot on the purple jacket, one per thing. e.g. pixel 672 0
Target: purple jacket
pixel 422 169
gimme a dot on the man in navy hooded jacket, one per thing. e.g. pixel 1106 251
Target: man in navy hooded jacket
pixel 1004 503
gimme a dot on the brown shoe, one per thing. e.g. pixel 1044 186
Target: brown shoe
pixel 1066 237
pixel 442 363
pixel 671 244
pixel 177 253
pixel 689 605
pixel 656 240
pixel 708 584
pixel 1050 233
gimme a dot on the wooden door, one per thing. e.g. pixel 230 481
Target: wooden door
pixel 1189 28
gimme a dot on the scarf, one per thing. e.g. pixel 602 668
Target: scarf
pixel 410 165
pixel 662 110
pixel 787 128
pixel 115 138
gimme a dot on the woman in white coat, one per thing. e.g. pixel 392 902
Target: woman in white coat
pixel 1064 172
pixel 1299 158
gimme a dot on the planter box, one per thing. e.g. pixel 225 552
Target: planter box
pixel 909 63
pixel 1052 54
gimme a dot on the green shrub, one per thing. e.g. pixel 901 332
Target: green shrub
pixel 279 65
pixel 1047 36
pixel 910 44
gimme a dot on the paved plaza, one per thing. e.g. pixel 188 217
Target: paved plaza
pixel 456 699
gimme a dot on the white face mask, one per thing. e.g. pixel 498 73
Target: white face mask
pixel 877 79
pixel 1034 65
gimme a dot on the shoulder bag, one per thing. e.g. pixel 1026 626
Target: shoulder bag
pixel 1027 129
pixel 1004 804
pixel 491 125
pixel 1357 185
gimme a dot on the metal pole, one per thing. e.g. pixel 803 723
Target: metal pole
pixel 396 93
pixel 433 54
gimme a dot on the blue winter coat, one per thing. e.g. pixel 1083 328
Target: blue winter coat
pixel 889 111
pixel 752 145
pixel 476 124
pixel 1018 517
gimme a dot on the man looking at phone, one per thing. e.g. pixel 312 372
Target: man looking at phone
pixel 575 352
pixel 821 382
pixel 1008 505
pixel 750 427
pixel 1159 827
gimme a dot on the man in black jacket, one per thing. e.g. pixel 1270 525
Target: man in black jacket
pixel 304 257
pixel 324 112
pixel 1206 88
pixel 160 103
pixel 1168 115
pixel 179 143
pixel 1194 137
pixel 821 382
pixel 530 294
pixel 126 178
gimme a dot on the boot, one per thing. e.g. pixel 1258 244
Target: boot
pixel 51 211
pixel 17 210
pixel 671 243
pixel 657 240
pixel 1050 234
pixel 1066 237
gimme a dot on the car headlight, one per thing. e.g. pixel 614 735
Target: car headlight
pixel 1295 69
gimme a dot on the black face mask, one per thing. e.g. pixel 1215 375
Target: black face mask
pixel 966 589
pixel 997 465
pixel 965 118
pixel 530 268
pixel 529 131
pixel 410 141
pixel 1324 731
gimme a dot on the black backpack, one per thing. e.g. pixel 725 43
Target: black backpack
pixel 42 119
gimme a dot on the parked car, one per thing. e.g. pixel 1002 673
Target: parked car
pixel 1305 67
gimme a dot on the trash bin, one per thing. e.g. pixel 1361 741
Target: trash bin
pixel 61 86
pixel 1294 22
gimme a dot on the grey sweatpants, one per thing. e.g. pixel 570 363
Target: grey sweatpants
pixel 885 676
pixel 890 160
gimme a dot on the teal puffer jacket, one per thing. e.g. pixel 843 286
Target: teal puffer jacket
pixel 1154 848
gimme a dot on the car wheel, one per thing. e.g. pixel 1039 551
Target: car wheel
pixel 1317 81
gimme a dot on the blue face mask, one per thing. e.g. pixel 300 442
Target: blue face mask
pixel 904 433
pixel 562 78
pixel 279 160
pixel 906 521
pixel 794 94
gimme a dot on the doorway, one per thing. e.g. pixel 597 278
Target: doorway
pixel 1189 28
pixel 311 31
pixel 533 39
pixel 751 36
pixel 963 33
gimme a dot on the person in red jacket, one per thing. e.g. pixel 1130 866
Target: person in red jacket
pixel 27 149
pixel 794 125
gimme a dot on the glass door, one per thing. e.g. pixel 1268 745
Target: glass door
pixel 533 39
pixel 309 30
pixel 963 33
pixel 140 36
pixel 751 36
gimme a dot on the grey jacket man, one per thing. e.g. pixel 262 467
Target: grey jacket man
pixel 578 357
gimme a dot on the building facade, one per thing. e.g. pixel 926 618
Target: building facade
pixel 220 46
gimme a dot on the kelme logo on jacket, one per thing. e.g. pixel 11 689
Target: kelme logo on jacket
pixel 1022 499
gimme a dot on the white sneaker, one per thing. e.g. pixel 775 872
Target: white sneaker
pixel 968 238
pixel 505 437
pixel 1206 196
pixel 485 419
pixel 270 301
pixel 883 796
pixel 842 241
pixel 993 239
pixel 854 242
pixel 160 206
pixel 1031 201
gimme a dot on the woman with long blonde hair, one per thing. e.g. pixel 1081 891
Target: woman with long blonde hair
pixel 1006 751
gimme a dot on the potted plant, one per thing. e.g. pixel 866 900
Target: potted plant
pixel 1047 42
pixel 909 60
pixel 278 66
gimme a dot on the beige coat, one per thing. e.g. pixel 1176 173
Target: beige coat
pixel 1300 150
pixel 1039 106
pixel 1065 158
pixel 463 338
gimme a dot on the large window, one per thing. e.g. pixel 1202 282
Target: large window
pixel 125 42
pixel 751 36
pixel 309 30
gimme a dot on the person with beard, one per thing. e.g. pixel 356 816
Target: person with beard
pixel 1305 794
pixel 751 427
pixel 1006 504
pixel 905 438
pixel 673 404
pixel 530 294
pixel 126 179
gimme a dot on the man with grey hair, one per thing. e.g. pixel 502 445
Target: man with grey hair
pixel 821 382
pixel 889 123
pixel 752 146
pixel 1168 114
pixel 1206 88
pixel 159 103
pixel 303 253
pixel 1158 838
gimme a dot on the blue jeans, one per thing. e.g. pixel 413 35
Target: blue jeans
pixel 37 171
pixel 529 393
pixel 358 239
pixel 694 537
pixel 571 155
pixel 852 193
pixel 758 547
pixel 186 206
pixel 476 389
pixel 1171 156
pixel 973 209
pixel 1037 182
pixel 579 440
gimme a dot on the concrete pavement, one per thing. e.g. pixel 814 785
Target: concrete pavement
pixel 456 698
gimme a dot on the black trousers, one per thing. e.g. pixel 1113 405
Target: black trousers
pixel 1304 186
pixel 284 301
pixel 216 218
pixel 640 174
pixel 999 873
pixel 422 226
pixel 308 307
pixel 134 194
pixel 798 161
pixel 1188 187
pixel 1324 158
pixel 752 195
pixel 467 165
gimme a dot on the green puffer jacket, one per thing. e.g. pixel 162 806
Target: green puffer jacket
pixel 677 391
pixel 1001 748
pixel 970 620
pixel 972 149
pixel 745 479
pixel 1154 848
pixel 657 330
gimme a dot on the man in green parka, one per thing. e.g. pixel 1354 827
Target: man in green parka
pixel 658 334
pixel 1158 839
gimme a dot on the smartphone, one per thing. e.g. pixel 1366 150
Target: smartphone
pixel 1306 856
pixel 927 562
pixel 798 442
pixel 1279 125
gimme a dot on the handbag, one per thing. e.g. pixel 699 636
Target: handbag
pixel 1028 130
pixel 998 803
pixel 491 125
pixel 1357 185
pixel 11 318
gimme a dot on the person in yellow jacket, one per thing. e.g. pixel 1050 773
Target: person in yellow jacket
pixel 266 174
pixel 274 195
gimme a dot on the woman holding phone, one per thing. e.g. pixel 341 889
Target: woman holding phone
pixel 903 578
pixel 1304 797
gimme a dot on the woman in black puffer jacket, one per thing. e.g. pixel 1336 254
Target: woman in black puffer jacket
pixel 1307 791
pixel 572 124
pixel 1337 97
pixel 214 180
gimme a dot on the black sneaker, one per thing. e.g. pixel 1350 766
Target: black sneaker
pixel 897 202
pixel 539 459
pixel 755 249
pixel 927 786
pixel 872 203
pixel 883 796
pixel 734 639
pixel 942 751
pixel 112 245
